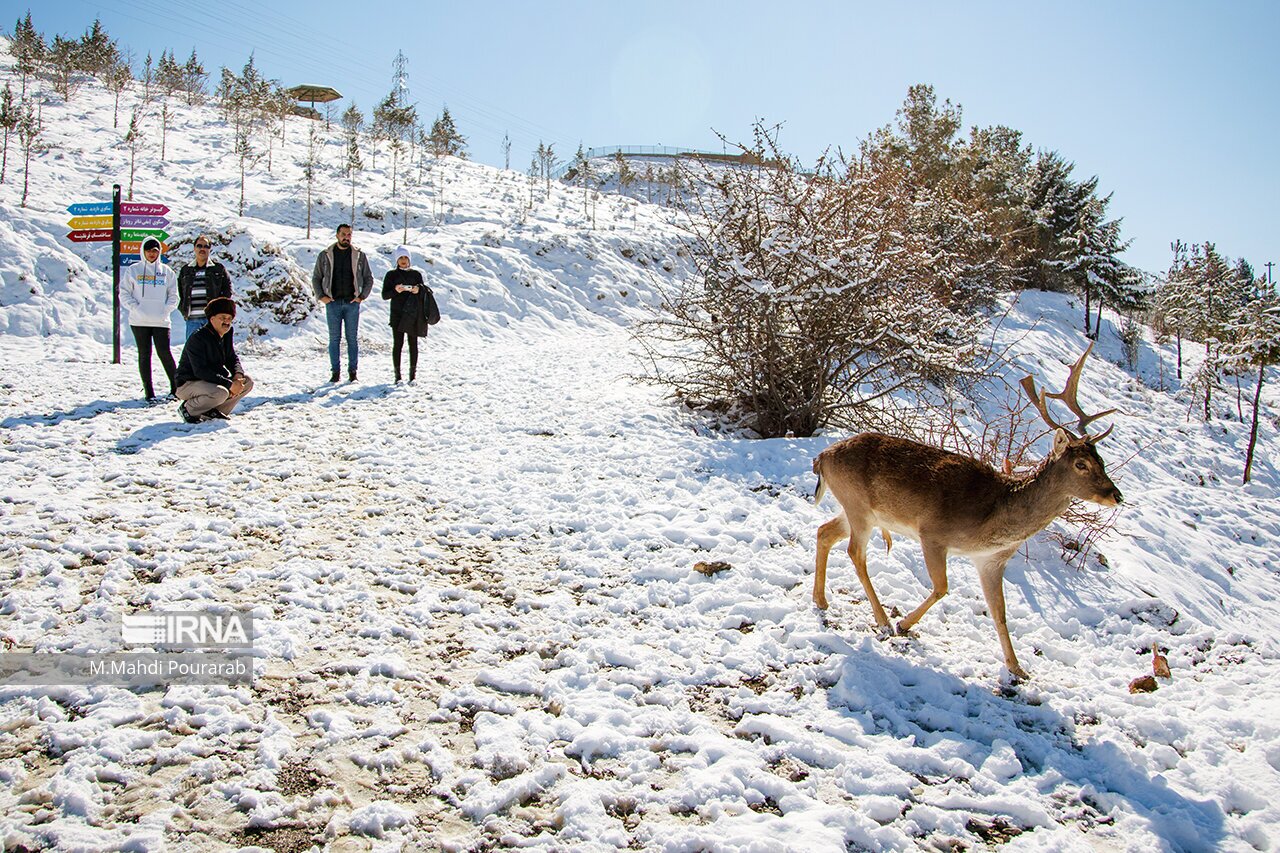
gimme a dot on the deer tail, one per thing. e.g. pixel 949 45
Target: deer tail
pixel 822 487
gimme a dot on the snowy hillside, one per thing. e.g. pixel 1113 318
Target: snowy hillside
pixel 479 625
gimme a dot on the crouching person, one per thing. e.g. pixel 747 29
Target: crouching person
pixel 210 379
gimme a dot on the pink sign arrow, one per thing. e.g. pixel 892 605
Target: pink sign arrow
pixel 137 208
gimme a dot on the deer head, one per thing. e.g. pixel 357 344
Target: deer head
pixel 1088 473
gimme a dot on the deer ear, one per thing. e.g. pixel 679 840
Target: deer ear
pixel 1060 440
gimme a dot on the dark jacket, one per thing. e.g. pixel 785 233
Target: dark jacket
pixel 322 275
pixel 216 280
pixel 208 358
pixel 408 310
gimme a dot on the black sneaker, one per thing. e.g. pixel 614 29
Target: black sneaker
pixel 335 376
pixel 351 377
pixel 187 417
pixel 216 415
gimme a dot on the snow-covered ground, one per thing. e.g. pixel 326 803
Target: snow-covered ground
pixel 479 622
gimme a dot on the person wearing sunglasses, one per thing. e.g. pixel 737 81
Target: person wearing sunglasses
pixel 200 282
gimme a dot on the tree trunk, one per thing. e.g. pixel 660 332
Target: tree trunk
pixel 1086 313
pixel 1179 355
pixel 4 161
pixel 26 175
pixel 308 210
pixel 1253 430
pixel 1097 327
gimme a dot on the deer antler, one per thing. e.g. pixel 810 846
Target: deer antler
pixel 1068 396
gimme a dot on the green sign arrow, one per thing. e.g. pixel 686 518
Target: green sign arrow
pixel 143 233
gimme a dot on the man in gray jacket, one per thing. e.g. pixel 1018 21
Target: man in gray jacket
pixel 341 281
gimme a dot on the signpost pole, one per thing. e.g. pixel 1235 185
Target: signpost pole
pixel 115 274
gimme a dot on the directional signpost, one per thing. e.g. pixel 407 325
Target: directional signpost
pixel 101 222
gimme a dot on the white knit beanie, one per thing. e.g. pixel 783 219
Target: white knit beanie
pixel 400 252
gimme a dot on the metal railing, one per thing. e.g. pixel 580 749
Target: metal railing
pixel 667 151
pixel 641 151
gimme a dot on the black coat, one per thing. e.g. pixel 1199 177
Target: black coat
pixel 208 358
pixel 408 310
pixel 216 280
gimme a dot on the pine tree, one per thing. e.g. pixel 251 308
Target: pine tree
pixel 310 168
pixel 1256 344
pixel 445 138
pixel 626 174
pixel 9 123
pixel 30 130
pixel 165 115
pixel 133 141
pixel 546 155
pixel 352 123
pixel 245 156
pixel 168 74
pixel 1054 206
pixel 1089 260
pixel 395 121
pixel 28 49
pixel 582 173
pixel 119 77
pixel 98 51
pixel 63 61
pixel 193 79
pixel 149 77
pixel 535 170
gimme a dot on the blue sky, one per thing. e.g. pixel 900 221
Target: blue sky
pixel 1170 104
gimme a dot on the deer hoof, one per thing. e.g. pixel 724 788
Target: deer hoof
pixel 820 602
pixel 1018 673
pixel 902 629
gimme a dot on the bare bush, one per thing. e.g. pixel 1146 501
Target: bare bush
pixel 806 310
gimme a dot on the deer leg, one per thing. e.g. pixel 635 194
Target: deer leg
pixel 935 560
pixel 991 574
pixel 858 553
pixel 828 535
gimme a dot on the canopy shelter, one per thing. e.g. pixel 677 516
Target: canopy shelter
pixel 313 93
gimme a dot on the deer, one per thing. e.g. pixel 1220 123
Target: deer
pixel 954 504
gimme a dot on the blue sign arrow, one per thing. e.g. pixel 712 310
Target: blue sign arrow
pixel 130 260
pixel 90 208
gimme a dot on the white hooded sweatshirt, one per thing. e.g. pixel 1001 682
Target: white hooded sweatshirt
pixel 149 293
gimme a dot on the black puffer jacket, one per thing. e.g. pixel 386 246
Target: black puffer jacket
pixel 208 358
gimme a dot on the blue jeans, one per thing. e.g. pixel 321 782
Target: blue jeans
pixel 340 315
pixel 194 325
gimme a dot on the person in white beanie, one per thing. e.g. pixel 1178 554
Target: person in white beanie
pixel 149 293
pixel 409 295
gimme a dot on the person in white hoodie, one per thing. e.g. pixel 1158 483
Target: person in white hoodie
pixel 149 292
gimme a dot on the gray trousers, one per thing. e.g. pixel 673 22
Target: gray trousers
pixel 200 396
